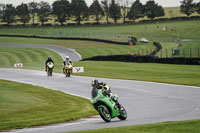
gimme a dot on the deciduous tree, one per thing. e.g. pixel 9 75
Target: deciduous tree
pixel 95 9
pixel 23 13
pixel 153 10
pixel 187 7
pixel 79 9
pixel 197 9
pixel 136 11
pixel 9 14
pixel 44 10
pixel 124 6
pixel 33 9
pixel 105 5
pixel 115 11
pixel 61 9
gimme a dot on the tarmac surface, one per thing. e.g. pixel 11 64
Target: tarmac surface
pixel 74 56
pixel 145 102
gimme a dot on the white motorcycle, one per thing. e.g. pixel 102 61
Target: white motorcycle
pixel 50 66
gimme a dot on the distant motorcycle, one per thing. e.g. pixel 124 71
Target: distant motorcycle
pixel 50 66
pixel 68 70
pixel 106 107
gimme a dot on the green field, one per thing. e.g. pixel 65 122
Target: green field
pixel 187 31
pixel 31 58
pixel 24 105
pixel 165 73
pixel 85 48
pixel 165 127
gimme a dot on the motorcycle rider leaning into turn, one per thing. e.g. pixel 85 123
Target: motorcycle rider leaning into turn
pixel 66 61
pixel 105 90
pixel 47 61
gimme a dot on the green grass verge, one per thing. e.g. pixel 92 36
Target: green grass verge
pixel 165 127
pixel 24 105
pixel 165 73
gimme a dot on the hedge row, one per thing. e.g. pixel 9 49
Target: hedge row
pixel 146 59
pixel 67 38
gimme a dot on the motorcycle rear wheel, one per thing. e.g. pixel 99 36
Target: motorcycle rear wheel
pixel 104 113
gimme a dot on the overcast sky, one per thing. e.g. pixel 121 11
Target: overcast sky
pixel 164 3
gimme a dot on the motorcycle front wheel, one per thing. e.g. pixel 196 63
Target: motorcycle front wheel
pixel 123 114
pixel 104 113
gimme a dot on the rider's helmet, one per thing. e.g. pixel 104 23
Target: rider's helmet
pixel 67 57
pixel 95 83
pixel 49 58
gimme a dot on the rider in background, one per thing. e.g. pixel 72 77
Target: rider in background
pixel 105 90
pixel 47 61
pixel 66 61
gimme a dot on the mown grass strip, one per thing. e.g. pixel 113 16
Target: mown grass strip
pixel 31 58
pixel 165 73
pixel 24 105
pixel 191 126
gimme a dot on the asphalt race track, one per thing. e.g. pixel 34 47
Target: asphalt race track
pixel 145 102
pixel 74 56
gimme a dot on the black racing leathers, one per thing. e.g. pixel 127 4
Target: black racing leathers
pixel 107 91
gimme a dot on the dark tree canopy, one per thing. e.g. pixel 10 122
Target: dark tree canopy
pixel 124 6
pixel 136 11
pixel 198 8
pixel 95 9
pixel 115 11
pixel 79 9
pixel 23 13
pixel 153 10
pixel 33 9
pixel 187 7
pixel 105 5
pixel 9 14
pixel 61 9
pixel 44 10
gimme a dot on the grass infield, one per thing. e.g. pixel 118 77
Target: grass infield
pixel 165 127
pixel 24 105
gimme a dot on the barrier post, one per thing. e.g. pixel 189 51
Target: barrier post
pixel 161 53
pixel 166 53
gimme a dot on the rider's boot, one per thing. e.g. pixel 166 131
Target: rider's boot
pixel 118 104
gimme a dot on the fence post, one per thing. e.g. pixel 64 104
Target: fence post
pixel 161 53
pixel 172 56
pixel 166 53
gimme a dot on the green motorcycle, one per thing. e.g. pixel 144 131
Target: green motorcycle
pixel 106 107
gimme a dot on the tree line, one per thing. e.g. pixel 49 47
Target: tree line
pixel 78 11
